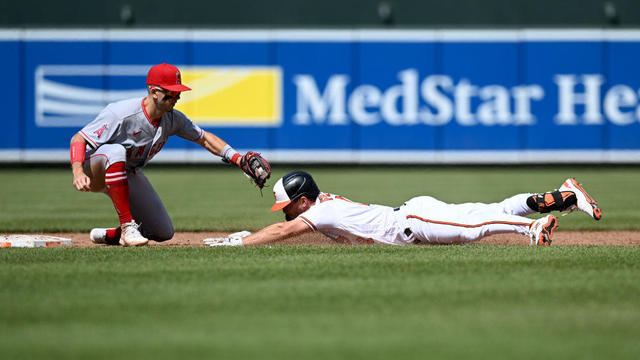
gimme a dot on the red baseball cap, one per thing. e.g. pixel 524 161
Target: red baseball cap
pixel 167 77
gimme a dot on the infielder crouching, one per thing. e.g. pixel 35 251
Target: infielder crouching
pixel 108 154
pixel 421 220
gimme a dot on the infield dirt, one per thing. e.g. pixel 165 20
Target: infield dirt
pixel 615 238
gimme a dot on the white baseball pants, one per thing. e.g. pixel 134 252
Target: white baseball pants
pixel 434 221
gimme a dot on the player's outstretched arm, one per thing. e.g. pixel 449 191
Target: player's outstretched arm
pixel 214 145
pixel 277 231
pixel 77 148
pixel 254 166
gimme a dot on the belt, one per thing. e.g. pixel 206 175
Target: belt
pixel 407 231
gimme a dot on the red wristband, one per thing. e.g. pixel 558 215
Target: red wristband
pixel 234 158
pixel 78 152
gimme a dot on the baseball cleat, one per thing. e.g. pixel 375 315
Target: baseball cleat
pixel 131 235
pixel 541 230
pixel 98 235
pixel 101 236
pixel 584 201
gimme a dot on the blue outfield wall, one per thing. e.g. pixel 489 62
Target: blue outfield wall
pixel 363 96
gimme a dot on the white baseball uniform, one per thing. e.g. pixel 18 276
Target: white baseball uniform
pixel 123 131
pixel 422 219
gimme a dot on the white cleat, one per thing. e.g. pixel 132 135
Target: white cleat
pixel 584 202
pixel 541 230
pixel 98 235
pixel 131 235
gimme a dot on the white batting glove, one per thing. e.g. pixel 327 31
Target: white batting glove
pixel 234 239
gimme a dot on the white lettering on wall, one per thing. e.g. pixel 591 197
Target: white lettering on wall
pixel 432 90
pixel 312 106
pixel 569 97
pixel 437 100
pixel 618 97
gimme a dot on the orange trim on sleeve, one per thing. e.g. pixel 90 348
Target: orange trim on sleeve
pixel 309 223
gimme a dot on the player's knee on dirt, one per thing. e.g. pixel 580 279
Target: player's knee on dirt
pixel 161 234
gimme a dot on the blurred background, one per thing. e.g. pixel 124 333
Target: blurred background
pixel 328 13
pixel 337 82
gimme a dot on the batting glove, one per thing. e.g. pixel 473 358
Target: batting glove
pixel 234 239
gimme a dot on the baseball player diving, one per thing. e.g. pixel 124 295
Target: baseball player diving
pixel 421 220
pixel 108 154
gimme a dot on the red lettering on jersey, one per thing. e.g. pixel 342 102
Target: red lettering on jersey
pixel 100 131
pixel 156 148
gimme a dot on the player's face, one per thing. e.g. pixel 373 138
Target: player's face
pixel 296 208
pixel 166 99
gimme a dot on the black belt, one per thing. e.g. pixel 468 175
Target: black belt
pixel 407 231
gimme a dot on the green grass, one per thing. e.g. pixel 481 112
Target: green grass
pixel 376 302
pixel 220 198
pixel 469 302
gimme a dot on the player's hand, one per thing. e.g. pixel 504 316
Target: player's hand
pixel 234 239
pixel 81 182
pixel 221 242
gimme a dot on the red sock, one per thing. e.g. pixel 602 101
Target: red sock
pixel 113 235
pixel 115 178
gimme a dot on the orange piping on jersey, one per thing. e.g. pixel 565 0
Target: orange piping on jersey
pixel 309 223
pixel 144 110
pixel 465 225
pixel 326 197
pixel 347 200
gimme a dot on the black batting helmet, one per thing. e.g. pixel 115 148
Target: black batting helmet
pixel 292 186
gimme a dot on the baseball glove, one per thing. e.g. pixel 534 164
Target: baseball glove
pixel 256 168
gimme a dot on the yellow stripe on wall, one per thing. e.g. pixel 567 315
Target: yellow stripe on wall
pixel 233 96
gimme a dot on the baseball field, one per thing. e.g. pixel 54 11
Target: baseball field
pixel 497 298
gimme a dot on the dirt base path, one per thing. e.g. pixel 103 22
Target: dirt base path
pixel 561 238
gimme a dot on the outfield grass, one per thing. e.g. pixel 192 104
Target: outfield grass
pixel 471 302
pixel 221 199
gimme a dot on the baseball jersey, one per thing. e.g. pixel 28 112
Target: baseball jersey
pixel 127 123
pixel 354 223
